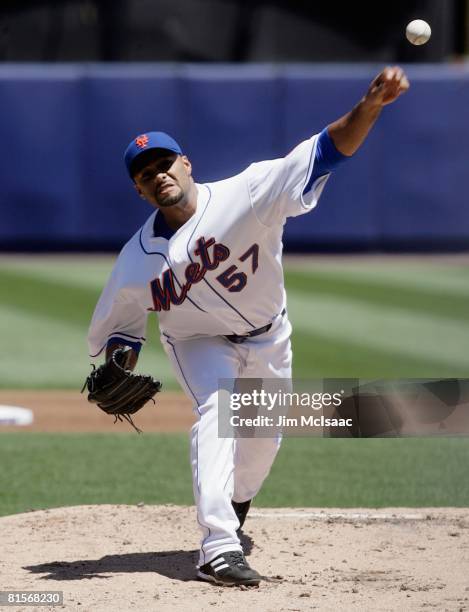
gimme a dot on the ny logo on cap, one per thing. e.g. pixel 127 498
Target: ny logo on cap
pixel 141 141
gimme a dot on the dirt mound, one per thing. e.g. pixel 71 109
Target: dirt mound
pixel 143 557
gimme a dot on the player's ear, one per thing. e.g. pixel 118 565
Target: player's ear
pixel 187 164
pixel 139 191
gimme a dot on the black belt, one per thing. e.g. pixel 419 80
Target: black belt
pixel 255 332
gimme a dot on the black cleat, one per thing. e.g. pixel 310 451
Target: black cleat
pixel 241 509
pixel 229 569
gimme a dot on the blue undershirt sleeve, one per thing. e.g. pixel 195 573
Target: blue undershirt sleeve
pixel 327 158
pixel 117 339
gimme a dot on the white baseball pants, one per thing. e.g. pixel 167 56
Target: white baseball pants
pixel 225 468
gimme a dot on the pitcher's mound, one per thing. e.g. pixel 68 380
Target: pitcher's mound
pixel 143 558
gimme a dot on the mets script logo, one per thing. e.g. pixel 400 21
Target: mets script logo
pixel 141 141
pixel 211 254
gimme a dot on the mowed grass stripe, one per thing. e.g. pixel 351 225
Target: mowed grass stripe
pixel 450 278
pixel 59 301
pixel 379 293
pixel 41 352
pixel 401 332
pixel 80 271
pixel 320 356
pixel 72 300
pixel 53 311
pixel 93 271
pixel 53 354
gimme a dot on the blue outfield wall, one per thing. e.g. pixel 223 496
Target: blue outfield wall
pixel 64 129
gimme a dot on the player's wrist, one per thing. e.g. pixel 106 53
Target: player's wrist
pixel 127 356
pixel 371 104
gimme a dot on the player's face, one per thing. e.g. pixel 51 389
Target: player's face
pixel 165 179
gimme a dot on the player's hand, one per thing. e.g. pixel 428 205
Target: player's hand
pixel 387 86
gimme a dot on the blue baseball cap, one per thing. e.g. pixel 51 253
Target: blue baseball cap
pixel 145 142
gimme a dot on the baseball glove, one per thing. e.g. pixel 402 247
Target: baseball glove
pixel 118 391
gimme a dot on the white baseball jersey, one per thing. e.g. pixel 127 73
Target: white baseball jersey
pixel 221 272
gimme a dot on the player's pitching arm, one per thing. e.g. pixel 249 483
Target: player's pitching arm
pixel 292 185
pixel 350 131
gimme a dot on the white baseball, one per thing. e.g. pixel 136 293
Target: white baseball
pixel 418 32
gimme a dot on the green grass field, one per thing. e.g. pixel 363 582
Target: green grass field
pixel 364 319
pixel 49 470
pixel 386 319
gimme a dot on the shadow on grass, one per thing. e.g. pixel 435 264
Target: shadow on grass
pixel 174 564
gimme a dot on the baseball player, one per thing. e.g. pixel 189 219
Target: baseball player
pixel 208 262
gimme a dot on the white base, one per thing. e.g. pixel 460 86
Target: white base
pixel 14 415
